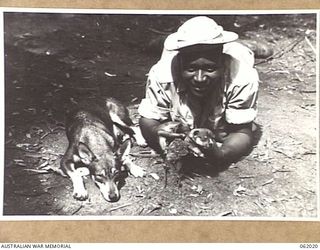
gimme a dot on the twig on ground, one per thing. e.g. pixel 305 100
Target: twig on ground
pixel 37 171
pixel 310 44
pixel 268 182
pixel 246 176
pixel 52 131
pixel 145 154
pixel 281 170
pixel 309 153
pixel 77 210
pixel 281 152
pixel 259 205
pixel 226 213
pixel 121 206
pixel 126 205
pixel 308 91
pixel 154 209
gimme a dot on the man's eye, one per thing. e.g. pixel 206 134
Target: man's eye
pixel 211 69
pixel 191 69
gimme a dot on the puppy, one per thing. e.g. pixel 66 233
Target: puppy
pixel 199 139
pixel 99 136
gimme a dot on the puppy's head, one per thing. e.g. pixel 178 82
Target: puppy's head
pixel 202 137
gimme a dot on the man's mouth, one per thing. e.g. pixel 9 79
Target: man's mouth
pixel 200 89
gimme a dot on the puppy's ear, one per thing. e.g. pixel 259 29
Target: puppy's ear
pixel 210 134
pixel 85 154
pixel 193 133
pixel 124 150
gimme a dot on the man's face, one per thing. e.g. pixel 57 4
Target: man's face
pixel 201 71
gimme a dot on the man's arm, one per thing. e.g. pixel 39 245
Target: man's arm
pixel 235 145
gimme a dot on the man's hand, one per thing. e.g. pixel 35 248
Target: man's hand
pixel 169 131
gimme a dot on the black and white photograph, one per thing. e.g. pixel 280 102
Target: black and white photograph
pixel 174 115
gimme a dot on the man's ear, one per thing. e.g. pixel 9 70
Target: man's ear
pixel 124 149
pixel 85 154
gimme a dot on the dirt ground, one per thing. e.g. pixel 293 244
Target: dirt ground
pixel 52 60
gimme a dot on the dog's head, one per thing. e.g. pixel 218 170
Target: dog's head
pixel 105 170
pixel 202 137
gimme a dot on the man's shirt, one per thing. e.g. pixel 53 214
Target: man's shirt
pixel 234 101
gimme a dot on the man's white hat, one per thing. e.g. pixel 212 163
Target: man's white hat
pixel 198 30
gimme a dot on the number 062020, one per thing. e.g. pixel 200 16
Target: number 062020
pixel 308 245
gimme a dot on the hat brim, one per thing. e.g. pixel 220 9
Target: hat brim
pixel 173 43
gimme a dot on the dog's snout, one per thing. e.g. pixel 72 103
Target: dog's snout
pixel 109 191
pixel 113 197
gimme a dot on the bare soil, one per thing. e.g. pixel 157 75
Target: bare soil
pixel 52 60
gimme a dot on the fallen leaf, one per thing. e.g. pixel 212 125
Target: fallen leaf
pixel 173 211
pixel 134 99
pixel 155 176
pixel 199 189
pixel 21 145
pixel 140 190
pixel 109 74
pixel 194 195
pixel 202 207
pixel 240 191
pixel 18 160
pixel 208 198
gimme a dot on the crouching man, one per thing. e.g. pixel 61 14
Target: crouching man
pixel 204 79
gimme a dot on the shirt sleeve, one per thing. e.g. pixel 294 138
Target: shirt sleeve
pixel 156 104
pixel 242 94
pixel 242 84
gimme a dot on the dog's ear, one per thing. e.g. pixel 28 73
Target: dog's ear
pixel 124 150
pixel 85 154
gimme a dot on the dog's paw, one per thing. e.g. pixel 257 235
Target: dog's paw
pixel 139 137
pixel 137 171
pixel 134 169
pixel 80 195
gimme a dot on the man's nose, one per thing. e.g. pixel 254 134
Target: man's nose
pixel 199 76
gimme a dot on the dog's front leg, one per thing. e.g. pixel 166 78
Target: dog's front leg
pixel 79 190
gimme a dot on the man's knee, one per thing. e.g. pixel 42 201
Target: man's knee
pixel 149 132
